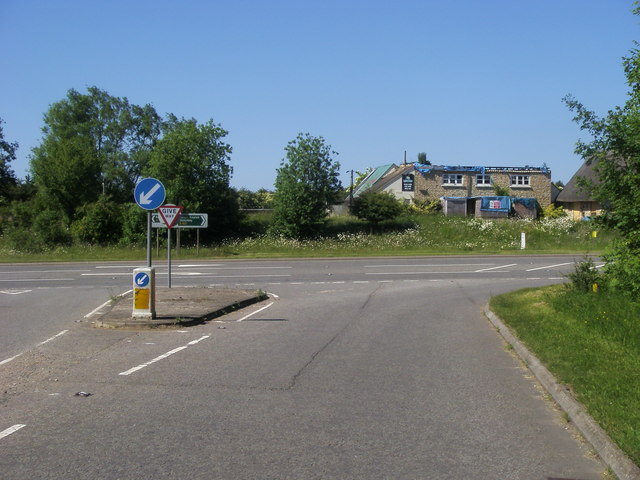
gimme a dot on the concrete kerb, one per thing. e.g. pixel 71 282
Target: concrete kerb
pixel 179 307
pixel 608 451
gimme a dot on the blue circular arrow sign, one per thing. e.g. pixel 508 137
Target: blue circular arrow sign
pixel 141 279
pixel 149 193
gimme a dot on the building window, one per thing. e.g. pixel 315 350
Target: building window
pixel 452 179
pixel 483 180
pixel 520 180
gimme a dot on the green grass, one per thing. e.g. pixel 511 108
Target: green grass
pixel 347 236
pixel 590 342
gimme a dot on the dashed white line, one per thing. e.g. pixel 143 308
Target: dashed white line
pixel 430 265
pixel 10 430
pixel 548 266
pixel 253 313
pixel 54 337
pixel 96 310
pixel 161 357
pixel 15 292
pixel 39 280
pixel 495 268
pixel 9 359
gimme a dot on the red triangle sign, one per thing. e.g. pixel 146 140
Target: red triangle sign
pixel 170 214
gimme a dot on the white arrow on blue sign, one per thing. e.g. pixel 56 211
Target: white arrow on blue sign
pixel 141 279
pixel 149 193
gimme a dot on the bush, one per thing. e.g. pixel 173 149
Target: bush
pixel 23 240
pixel 624 267
pixel 423 207
pixel 586 276
pixel 551 211
pixel 50 226
pixel 134 225
pixel 375 207
pixel 99 223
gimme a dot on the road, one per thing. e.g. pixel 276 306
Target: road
pixel 359 368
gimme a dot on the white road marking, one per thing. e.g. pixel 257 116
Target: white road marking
pixel 54 337
pixel 44 271
pixel 198 266
pixel 412 273
pixel 253 313
pixel 548 266
pixel 361 281
pixel 118 266
pixel 39 279
pixel 107 274
pixel 10 430
pixel 251 276
pixel 9 359
pixel 496 268
pixel 15 292
pixel 97 310
pixel 431 265
pixel 220 267
pixel 161 357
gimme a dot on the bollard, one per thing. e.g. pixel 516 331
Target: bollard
pixel 144 293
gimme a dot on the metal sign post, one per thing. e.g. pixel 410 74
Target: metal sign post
pixel 169 255
pixel 170 215
pixel 149 194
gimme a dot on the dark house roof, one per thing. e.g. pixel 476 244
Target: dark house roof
pixel 573 192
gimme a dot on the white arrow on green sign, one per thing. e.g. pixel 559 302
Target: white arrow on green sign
pixel 187 220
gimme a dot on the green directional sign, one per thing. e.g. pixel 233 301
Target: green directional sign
pixel 187 220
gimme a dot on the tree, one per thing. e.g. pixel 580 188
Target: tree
pixel 306 185
pixel 8 180
pixel 93 143
pixel 422 159
pixel 191 160
pixel 375 207
pixel 260 199
pixel 66 173
pixel 615 152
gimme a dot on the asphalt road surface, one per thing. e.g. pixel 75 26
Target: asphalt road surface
pixel 354 369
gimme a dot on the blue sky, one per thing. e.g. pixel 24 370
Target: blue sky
pixel 470 82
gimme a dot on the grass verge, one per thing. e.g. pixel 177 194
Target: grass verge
pixel 590 342
pixel 349 237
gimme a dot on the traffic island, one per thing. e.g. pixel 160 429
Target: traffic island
pixel 179 307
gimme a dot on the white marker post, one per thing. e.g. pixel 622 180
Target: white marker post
pixel 523 241
pixel 144 293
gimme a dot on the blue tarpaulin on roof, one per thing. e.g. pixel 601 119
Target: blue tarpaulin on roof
pixel 476 169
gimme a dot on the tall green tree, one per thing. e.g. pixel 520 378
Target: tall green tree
pixel 105 142
pixel 192 161
pixel 306 184
pixel 615 152
pixel 8 180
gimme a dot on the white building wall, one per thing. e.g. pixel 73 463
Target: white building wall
pixel 395 188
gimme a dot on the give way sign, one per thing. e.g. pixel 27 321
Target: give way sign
pixel 170 214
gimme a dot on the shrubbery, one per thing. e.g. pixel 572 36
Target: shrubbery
pixel 375 207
